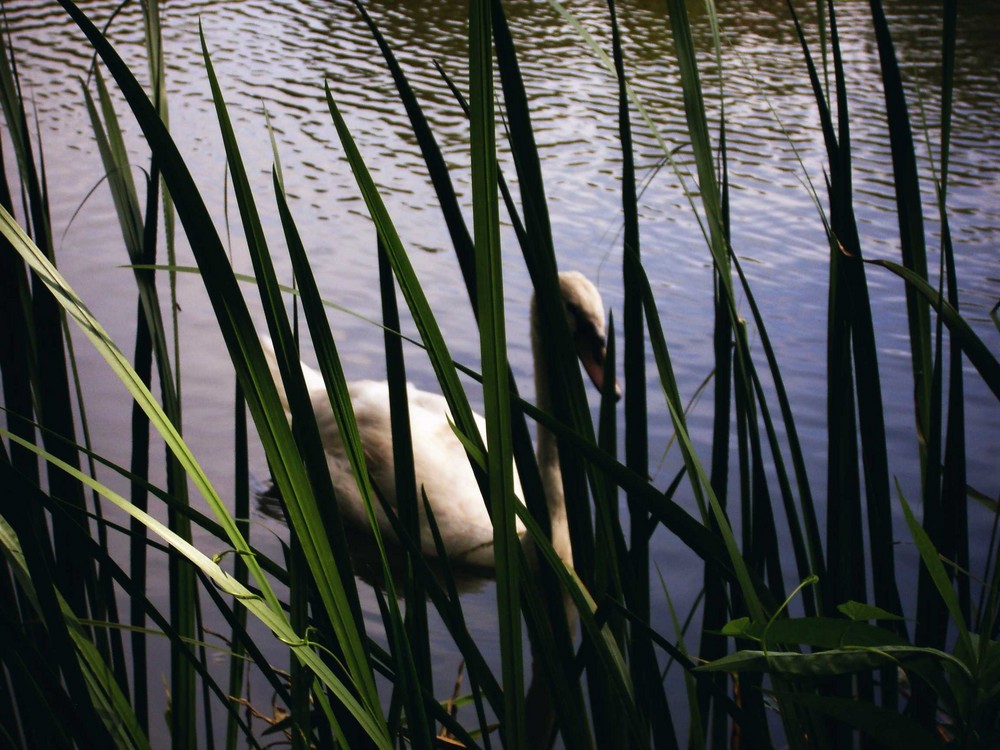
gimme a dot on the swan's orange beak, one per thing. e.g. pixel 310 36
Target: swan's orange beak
pixel 593 363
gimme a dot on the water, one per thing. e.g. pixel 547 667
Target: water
pixel 277 54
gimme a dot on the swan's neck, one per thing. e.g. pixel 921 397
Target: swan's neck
pixel 548 453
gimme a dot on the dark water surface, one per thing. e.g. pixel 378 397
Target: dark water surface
pixel 278 53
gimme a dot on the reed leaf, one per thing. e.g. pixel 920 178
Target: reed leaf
pixel 269 612
pixel 271 619
pixel 325 557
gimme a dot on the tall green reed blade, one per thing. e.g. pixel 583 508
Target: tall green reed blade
pixel 911 229
pixel 598 634
pixel 517 111
pixel 847 579
pixel 760 547
pixel 158 81
pixel 430 333
pixel 712 645
pixel 805 536
pixel 552 660
pixel 171 395
pixel 75 576
pixel 759 534
pixel 842 468
pixel 939 521
pixel 241 514
pixel 407 500
pixel 16 345
pixel 953 493
pixel 326 556
pixel 336 384
pixel 613 558
pixel 437 169
pixel 140 234
pixel 645 671
pixel 462 242
pixel 852 368
pixel 138 227
pixel 299 590
pixel 909 213
pixel 755 597
pixel 22 702
pixel 760 544
pixel 569 401
pixel 493 342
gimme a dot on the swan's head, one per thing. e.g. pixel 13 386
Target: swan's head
pixel 585 317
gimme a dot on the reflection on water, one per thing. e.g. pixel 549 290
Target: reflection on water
pixel 278 54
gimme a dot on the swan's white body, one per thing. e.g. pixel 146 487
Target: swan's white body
pixel 440 463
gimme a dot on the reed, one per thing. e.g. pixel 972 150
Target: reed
pixel 828 650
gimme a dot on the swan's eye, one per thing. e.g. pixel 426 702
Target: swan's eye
pixel 573 317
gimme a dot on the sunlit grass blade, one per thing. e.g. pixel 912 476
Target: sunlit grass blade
pixel 493 347
pixel 326 558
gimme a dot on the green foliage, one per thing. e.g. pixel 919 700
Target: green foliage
pixel 847 670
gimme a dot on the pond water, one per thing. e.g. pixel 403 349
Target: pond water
pixel 276 54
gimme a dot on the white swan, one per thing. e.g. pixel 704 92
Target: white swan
pixel 440 462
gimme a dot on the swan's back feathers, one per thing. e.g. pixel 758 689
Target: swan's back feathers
pixel 440 463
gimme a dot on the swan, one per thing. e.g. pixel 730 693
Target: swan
pixel 440 463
